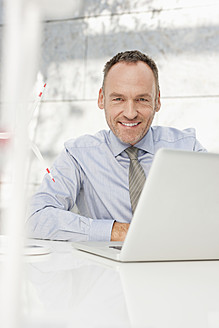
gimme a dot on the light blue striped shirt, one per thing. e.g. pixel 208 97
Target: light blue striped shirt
pixel 93 173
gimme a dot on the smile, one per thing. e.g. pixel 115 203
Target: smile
pixel 129 124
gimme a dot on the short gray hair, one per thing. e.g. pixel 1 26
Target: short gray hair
pixel 132 56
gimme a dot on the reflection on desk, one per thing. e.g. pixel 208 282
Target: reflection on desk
pixel 69 288
pixel 77 292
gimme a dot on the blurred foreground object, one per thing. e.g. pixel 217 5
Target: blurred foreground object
pixel 21 47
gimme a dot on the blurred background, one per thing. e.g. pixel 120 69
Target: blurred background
pixel 182 36
pixel 65 44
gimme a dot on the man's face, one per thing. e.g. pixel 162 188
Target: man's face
pixel 129 100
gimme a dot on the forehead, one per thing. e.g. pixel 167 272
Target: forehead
pixel 125 75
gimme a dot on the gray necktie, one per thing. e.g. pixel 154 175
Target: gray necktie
pixel 136 176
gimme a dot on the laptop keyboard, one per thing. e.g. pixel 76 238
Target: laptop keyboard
pixel 116 247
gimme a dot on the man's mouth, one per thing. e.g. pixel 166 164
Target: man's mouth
pixel 130 124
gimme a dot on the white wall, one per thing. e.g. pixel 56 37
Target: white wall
pixel 182 37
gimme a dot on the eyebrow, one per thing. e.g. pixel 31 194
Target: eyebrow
pixel 145 95
pixel 115 94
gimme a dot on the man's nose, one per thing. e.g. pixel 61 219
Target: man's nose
pixel 130 110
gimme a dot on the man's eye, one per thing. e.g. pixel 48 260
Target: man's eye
pixel 117 99
pixel 142 99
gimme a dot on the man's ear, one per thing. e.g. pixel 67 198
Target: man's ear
pixel 101 99
pixel 158 103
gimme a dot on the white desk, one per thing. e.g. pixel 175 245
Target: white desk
pixel 69 288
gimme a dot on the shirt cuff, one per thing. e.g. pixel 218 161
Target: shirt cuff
pixel 100 230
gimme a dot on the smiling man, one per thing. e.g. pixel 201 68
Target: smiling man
pixel 130 97
pixel 104 174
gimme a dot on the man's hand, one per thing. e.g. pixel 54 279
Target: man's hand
pixel 119 231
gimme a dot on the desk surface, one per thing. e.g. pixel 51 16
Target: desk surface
pixel 69 288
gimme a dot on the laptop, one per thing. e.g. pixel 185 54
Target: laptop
pixel 177 216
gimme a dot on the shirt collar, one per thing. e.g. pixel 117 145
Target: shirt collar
pixel 146 143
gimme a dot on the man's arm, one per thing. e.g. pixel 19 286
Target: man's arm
pixel 50 213
pixel 119 231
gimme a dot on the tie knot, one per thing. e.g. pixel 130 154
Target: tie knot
pixel 132 152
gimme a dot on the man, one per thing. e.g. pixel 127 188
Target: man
pixel 93 171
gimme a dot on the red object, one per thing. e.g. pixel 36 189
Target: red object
pixel 50 174
pixel 5 140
